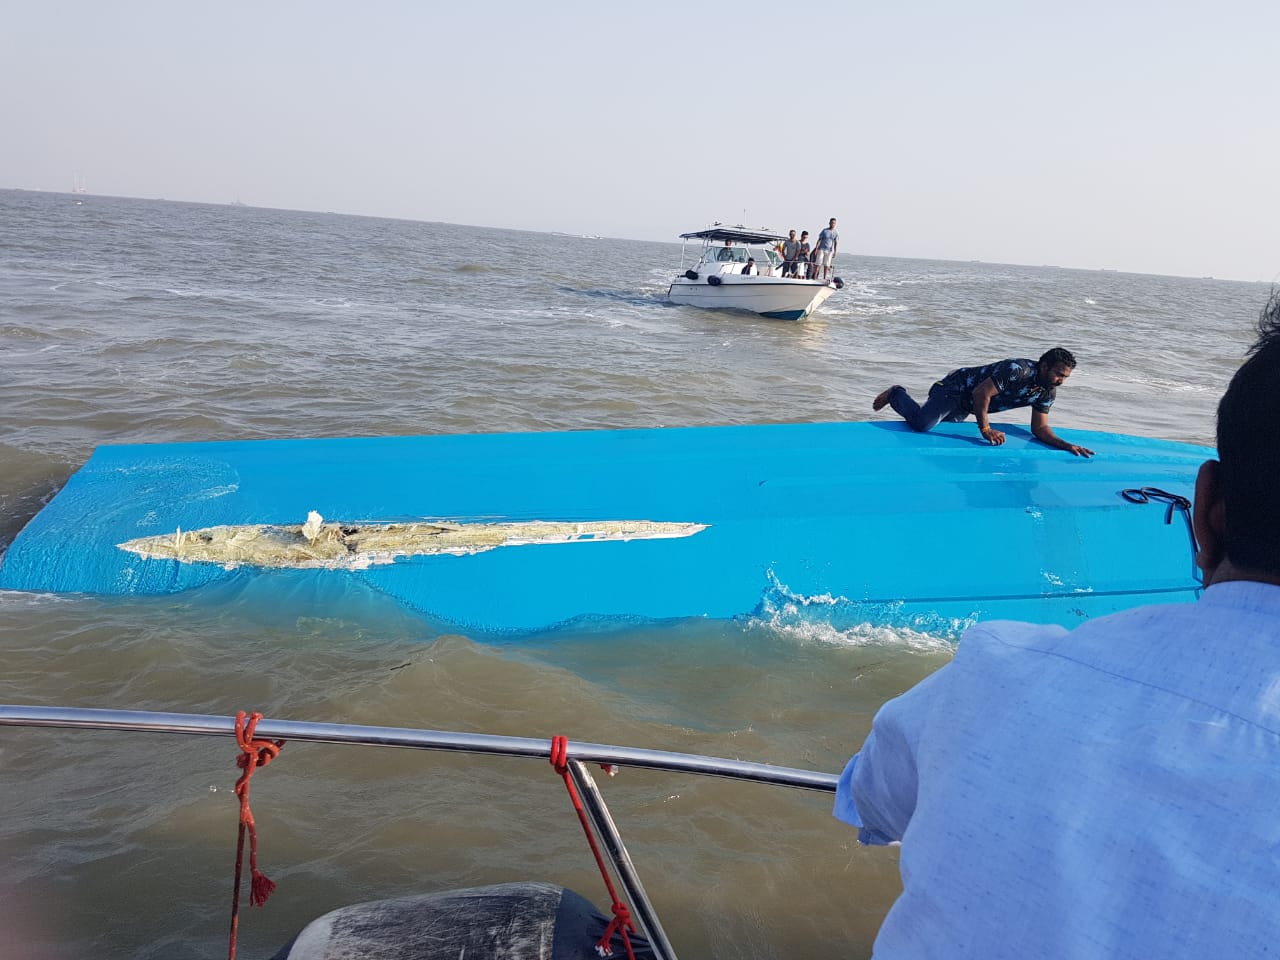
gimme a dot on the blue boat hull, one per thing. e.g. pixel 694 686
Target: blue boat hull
pixel 845 523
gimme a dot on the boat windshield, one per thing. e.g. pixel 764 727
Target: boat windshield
pixel 728 254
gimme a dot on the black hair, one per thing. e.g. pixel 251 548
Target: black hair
pixel 1058 355
pixel 1248 421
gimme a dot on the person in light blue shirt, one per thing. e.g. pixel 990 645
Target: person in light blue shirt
pixel 1112 791
pixel 828 244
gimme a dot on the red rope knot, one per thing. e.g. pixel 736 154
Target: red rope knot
pixel 560 758
pixel 254 753
pixel 621 923
pixel 560 755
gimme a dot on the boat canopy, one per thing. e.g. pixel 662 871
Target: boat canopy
pixel 736 234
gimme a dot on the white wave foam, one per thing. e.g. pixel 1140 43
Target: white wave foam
pixel 826 618
pixel 860 635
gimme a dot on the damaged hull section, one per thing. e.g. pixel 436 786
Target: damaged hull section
pixel 357 546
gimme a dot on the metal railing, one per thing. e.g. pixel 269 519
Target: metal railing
pixel 578 754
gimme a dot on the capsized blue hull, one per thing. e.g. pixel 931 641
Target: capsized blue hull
pixel 844 523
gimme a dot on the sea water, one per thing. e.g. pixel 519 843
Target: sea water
pixel 136 321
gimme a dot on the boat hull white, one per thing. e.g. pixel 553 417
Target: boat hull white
pixel 777 297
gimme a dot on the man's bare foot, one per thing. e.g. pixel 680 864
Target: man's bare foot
pixel 881 400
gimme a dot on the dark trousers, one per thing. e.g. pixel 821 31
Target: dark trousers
pixel 943 404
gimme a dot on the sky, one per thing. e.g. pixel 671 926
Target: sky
pixel 1126 135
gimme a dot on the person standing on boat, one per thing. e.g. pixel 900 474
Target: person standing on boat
pixel 790 254
pixel 805 254
pixel 828 242
pixel 1004 385
pixel 1107 791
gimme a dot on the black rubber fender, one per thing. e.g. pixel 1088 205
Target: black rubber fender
pixel 523 921
pixel 839 283
pixel 691 274
pixel 713 280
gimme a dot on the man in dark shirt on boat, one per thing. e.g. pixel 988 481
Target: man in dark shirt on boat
pixel 989 389
pixel 790 254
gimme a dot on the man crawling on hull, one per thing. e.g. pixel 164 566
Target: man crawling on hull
pixel 1004 385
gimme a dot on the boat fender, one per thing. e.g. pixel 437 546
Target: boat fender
pixel 520 921
pixel 839 283
pixel 691 274
pixel 713 280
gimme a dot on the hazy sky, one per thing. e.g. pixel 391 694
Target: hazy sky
pixel 1138 136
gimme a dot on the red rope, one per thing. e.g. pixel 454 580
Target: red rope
pixel 253 754
pixel 621 922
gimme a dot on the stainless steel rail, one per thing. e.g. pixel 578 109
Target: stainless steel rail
pixel 602 820
pixel 578 754
pixel 13 715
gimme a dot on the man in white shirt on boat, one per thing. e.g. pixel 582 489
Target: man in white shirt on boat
pixel 1108 792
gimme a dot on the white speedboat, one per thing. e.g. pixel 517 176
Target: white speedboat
pixel 741 269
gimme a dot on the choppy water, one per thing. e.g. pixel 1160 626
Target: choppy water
pixel 146 321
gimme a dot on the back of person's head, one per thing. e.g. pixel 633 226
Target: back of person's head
pixel 1249 450
pixel 1058 355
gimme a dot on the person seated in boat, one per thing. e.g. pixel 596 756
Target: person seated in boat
pixel 1104 791
pixel 749 270
pixel 726 254
pixel 1004 385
